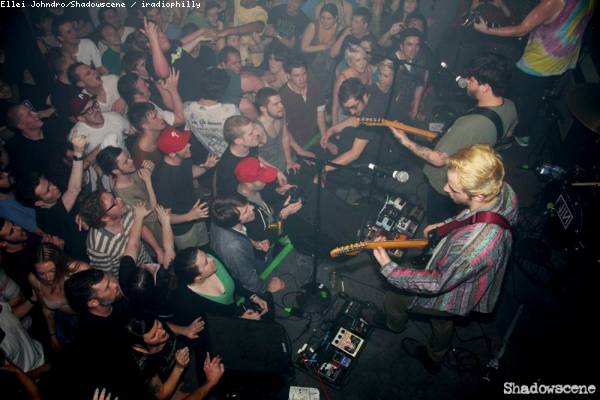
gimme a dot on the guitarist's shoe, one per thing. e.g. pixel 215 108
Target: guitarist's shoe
pixel 418 351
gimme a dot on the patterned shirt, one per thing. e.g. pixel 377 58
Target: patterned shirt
pixel 105 248
pixel 466 270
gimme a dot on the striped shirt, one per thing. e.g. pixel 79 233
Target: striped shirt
pixel 466 270
pixel 105 248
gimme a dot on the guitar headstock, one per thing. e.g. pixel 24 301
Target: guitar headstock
pixel 348 250
pixel 372 121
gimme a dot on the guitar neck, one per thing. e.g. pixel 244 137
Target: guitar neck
pixel 398 244
pixel 355 248
pixel 429 135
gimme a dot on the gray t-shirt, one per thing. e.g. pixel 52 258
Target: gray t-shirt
pixel 467 131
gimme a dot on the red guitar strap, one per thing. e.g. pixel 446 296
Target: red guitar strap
pixel 486 217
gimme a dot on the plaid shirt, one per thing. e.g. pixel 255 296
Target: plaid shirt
pixel 466 270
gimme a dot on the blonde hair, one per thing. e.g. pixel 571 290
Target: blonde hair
pixel 353 52
pixel 480 170
pixel 386 64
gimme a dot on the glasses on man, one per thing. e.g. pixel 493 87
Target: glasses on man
pixel 91 108
pixel 114 203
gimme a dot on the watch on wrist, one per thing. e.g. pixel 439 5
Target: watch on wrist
pixel 77 158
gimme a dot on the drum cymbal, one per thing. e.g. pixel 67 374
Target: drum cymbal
pixel 584 104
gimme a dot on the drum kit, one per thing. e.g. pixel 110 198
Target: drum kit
pixel 572 195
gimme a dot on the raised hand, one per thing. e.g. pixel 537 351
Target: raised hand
pixel 182 357
pixel 291 208
pixel 163 214
pixel 275 285
pixel 191 331
pixel 145 173
pixel 199 210
pixel 213 369
pixel 211 161
pixel 78 141
pixel 140 211
pixel 150 29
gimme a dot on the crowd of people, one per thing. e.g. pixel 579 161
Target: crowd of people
pixel 146 153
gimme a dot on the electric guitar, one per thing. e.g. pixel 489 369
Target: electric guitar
pixel 428 135
pixel 355 248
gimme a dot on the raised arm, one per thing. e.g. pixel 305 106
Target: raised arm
pixel 164 217
pixel 339 42
pixel 170 86
pixel 161 65
pixel 307 37
pixel 135 234
pixel 145 174
pixel 542 13
pixel 74 187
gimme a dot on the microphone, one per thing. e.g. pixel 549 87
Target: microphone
pixel 460 81
pixel 400 176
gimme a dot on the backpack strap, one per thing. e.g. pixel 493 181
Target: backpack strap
pixel 492 116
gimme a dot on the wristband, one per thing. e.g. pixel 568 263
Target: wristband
pixel 78 158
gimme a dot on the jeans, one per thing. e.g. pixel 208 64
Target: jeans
pixel 395 306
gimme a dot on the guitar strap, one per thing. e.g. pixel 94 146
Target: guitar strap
pixel 492 116
pixel 486 217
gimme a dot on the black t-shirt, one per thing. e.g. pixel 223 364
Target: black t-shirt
pixel 57 221
pixel 175 190
pixel 102 350
pixel 191 69
pixel 61 95
pixel 226 180
pixel 18 265
pixel 161 363
pixel 288 25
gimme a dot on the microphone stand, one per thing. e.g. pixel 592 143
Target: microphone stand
pixel 314 296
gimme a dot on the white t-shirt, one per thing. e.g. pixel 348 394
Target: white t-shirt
pixel 19 347
pixel 127 30
pixel 112 93
pixel 110 134
pixel 206 122
pixel 167 115
pixel 88 53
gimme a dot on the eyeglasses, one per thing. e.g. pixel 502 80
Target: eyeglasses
pixel 115 202
pixel 353 107
pixel 90 109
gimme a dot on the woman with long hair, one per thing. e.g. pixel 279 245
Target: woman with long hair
pixel 317 39
pixel 205 287
pixel 51 269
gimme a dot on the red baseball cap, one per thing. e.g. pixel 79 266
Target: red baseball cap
pixel 172 140
pixel 77 103
pixel 250 169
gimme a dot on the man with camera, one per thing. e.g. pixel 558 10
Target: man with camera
pixel 252 177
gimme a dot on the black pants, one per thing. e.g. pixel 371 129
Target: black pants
pixel 527 91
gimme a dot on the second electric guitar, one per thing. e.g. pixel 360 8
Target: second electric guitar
pixel 355 248
pixel 429 135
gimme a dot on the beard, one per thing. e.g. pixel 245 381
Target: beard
pixel 8 189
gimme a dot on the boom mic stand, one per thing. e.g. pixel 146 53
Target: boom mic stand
pixel 314 296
